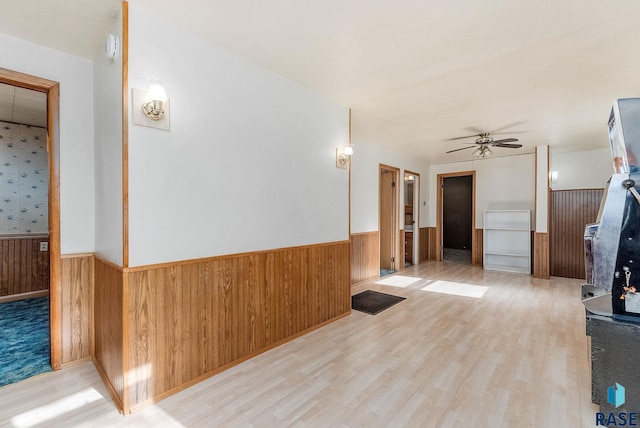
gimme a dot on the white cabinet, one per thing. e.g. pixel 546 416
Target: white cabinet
pixel 507 240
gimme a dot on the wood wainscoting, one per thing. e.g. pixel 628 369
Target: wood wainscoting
pixel 77 307
pixel 427 247
pixel 108 326
pixel 477 256
pixel 541 255
pixel 571 211
pixel 23 267
pixel 162 328
pixel 365 256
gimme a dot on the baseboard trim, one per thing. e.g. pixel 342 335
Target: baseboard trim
pixel 107 384
pixel 22 296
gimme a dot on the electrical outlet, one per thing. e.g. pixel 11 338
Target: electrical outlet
pixel 44 246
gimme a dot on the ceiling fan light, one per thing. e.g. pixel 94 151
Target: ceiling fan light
pixel 477 152
pixel 486 152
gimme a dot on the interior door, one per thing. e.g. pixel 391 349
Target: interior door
pixel 388 218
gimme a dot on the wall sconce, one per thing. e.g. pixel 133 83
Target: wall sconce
pixel 151 107
pixel 343 154
pixel 553 176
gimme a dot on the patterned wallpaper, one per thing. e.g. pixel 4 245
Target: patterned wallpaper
pixel 24 176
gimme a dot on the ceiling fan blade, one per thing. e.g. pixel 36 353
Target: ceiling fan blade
pixel 462 138
pixel 505 140
pixel 456 150
pixel 508 146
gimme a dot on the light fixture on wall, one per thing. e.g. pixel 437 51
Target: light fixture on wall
pixel 151 107
pixel 343 154
pixel 158 96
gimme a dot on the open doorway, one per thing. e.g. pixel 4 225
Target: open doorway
pixel 388 218
pixel 456 217
pixel 24 234
pixel 411 212
pixel 40 229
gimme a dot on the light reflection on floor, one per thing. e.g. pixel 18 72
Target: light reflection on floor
pixel 456 289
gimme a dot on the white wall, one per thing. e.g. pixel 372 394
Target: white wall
pixel 249 162
pixel 582 170
pixel 364 185
pixel 504 183
pixel 108 152
pixel 75 75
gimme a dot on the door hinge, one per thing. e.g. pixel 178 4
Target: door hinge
pixel 393 259
pixel 393 184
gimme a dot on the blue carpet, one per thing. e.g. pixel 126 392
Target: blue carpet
pixel 384 272
pixel 24 339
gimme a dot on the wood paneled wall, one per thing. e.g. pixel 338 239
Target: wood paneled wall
pixel 365 256
pixel 427 236
pixel 571 211
pixel 162 328
pixel 23 267
pixel 541 255
pixel 77 307
pixel 108 315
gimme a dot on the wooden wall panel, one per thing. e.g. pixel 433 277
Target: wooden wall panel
pixel 541 255
pixel 109 328
pixel 571 211
pixel 427 236
pixel 23 267
pixel 187 321
pixel 365 256
pixel 77 307
pixel 478 250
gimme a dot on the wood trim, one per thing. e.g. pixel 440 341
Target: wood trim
pixel 541 260
pixel 107 383
pixel 439 182
pixel 402 258
pixel 125 134
pixel 365 256
pixel 222 257
pixel 22 296
pixel 52 89
pixel 109 263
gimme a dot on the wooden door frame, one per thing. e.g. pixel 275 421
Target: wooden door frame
pixel 52 89
pixel 416 217
pixel 439 183
pixel 395 230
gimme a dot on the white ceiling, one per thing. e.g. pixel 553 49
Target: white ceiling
pixel 415 72
pixel 19 105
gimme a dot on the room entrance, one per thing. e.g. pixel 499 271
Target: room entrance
pixel 30 230
pixel 456 217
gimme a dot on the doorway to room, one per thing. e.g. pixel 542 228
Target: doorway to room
pixel 43 229
pixel 388 224
pixel 24 234
pixel 456 212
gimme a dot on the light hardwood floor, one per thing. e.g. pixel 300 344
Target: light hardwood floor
pixel 515 357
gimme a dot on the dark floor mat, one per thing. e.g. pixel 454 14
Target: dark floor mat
pixel 373 302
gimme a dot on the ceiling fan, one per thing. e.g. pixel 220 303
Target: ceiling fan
pixel 484 142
